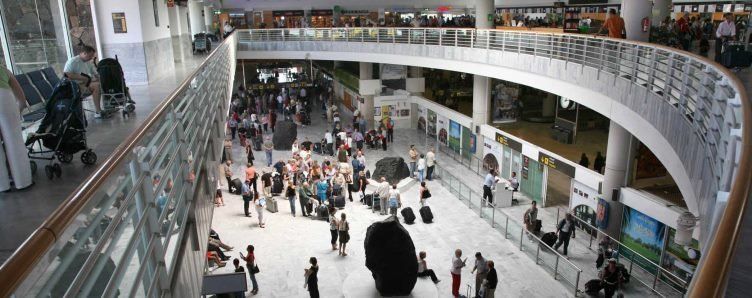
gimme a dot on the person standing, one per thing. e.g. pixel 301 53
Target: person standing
pixel 233 125
pixel 390 130
pixel 342 154
pixel 321 188
pixel 611 278
pixel 358 138
pixel 362 183
pixel 421 168
pixel 491 281
pixel 228 174
pixel 457 264
pixel 247 196
pixel 290 194
pixel 250 175
pixel 488 184
pixel 268 149
pixel 344 234
pixel 333 227
pixel 395 202
pixel 304 197
pixel 312 280
pixel 383 192
pixel 329 138
pixel 726 32
pixel 584 161
pixel 239 269
pixel 413 160
pixel 250 264
pixel 482 269
pixel 362 125
pixel 14 159
pixel 599 162
pixel 565 229
pixel 430 164
pixel 423 268
pixel 260 204
pixel 249 152
pixel 272 119
pixel 530 217
pixel 615 25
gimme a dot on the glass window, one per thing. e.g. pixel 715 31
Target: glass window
pixel 36 34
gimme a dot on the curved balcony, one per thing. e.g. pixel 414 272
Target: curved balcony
pixel 691 112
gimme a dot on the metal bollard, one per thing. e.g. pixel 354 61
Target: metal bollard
pixel 506 229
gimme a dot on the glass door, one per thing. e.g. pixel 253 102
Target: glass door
pixel 37 37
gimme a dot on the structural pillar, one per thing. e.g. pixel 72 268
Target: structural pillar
pixel 484 8
pixel 620 153
pixel 366 109
pixel 196 19
pixel 661 10
pixel 633 12
pixel 481 104
pixel 548 108
pixel 416 72
pixel 177 48
pixel 208 19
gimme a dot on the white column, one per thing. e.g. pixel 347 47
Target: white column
pixel 481 103
pixel 208 18
pixel 174 16
pixel 197 21
pixel 633 11
pixel 620 152
pixel 482 9
pixel 415 71
pixel 661 10
pixel 366 109
pixel 549 105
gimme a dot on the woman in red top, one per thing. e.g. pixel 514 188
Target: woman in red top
pixel 250 264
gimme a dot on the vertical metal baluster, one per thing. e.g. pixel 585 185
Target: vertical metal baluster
pixel 506 228
pixel 537 253
pixel 522 233
pixel 577 282
pixel 556 267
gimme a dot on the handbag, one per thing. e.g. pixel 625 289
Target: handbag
pixel 255 269
pixel 426 194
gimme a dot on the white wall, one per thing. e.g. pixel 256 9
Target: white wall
pixel 183 14
pixel 149 30
pixel 654 207
pixel 107 35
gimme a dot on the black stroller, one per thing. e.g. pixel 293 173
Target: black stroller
pixel 62 131
pixel 201 43
pixel 115 94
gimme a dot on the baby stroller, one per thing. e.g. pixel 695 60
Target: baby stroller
pixel 62 131
pixel 115 94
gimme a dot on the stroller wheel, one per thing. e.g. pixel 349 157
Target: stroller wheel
pixel 89 157
pixel 64 157
pixel 49 172
pixel 57 169
pixel 33 167
pixel 130 108
pixel 125 114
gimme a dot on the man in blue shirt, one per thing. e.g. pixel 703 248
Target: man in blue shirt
pixel 488 183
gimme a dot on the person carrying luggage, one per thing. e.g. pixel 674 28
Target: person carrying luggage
pixel 531 215
pixel 565 229
pixel 726 32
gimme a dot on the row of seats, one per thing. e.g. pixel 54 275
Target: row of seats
pixel 37 86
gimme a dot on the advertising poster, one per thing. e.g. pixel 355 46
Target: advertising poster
pixel 491 154
pixel 455 133
pixel 642 234
pixel 421 118
pixel 393 72
pixel 505 104
pixel 680 260
pixel 431 123
pixel 468 142
pixel 442 124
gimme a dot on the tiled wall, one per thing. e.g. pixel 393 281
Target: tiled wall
pixel 132 59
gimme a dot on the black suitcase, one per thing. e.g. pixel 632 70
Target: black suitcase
pixel 549 239
pixel 734 56
pixel 322 212
pixel 368 199
pixel 309 208
pixel 408 215
pixel 537 227
pixel 277 185
pixel 425 214
pixel 593 286
pixel 236 187
pixel 339 201
pixel 317 148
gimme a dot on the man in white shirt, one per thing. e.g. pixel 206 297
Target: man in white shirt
pixel 329 142
pixel 280 101
pixel 726 31
pixel 303 93
pixel 228 29
pixel 565 229
pixel 383 191
pixel 80 70
pixel 456 270
pixel 430 163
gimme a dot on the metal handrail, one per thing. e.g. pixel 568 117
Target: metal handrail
pixel 681 78
pixel 29 254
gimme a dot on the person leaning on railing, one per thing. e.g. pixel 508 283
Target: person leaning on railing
pixel 615 25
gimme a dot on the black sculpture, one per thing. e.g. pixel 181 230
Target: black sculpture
pixel 394 169
pixel 390 255
pixel 284 134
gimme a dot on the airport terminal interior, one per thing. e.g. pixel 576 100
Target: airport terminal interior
pixel 325 148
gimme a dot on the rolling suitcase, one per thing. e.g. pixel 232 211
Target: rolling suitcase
pixel 734 56
pixel 339 201
pixel 368 200
pixel 277 185
pixel 537 227
pixel 271 205
pixel 425 214
pixel 236 187
pixel 322 213
pixel 375 203
pixel 593 286
pixel 549 239
pixel 408 215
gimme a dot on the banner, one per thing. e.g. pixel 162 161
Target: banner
pixel 455 133
pixel 393 72
pixel 644 235
pixel 601 214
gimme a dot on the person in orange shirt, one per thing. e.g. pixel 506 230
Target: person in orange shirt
pixel 615 25
pixel 250 175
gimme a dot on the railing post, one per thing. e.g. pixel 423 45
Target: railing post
pixel 282 33
pixel 425 36
pixel 522 233
pixel 591 239
pixel 493 217
pixel 472 38
pixel 409 36
pixel 506 228
pixel 378 35
pixel 537 253
pixel 655 280
pixel 556 267
pixel 455 38
pixel 440 36
pixel 577 283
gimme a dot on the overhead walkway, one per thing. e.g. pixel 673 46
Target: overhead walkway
pixel 118 235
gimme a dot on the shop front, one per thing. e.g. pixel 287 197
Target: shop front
pixel 287 18
pixel 321 18
pixel 358 18
pixel 505 156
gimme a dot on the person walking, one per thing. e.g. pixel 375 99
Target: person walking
pixel 611 278
pixel 482 269
pixel 247 197
pixel 413 160
pixel 424 194
pixel 530 218
pixel 290 194
pixel 395 202
pixel 344 234
pixel 362 183
pixel 726 32
pixel 249 153
pixel 565 230
pixel 615 25
pixel 14 158
pixel 492 280
pixel 268 149
pixel 250 264
pixel 421 168
pixel 333 227
pixel 456 271
pixel 312 279
pixel 430 164
pixel 260 203
pixel 329 139
pixel 228 174
pixel 233 125
pixel 423 270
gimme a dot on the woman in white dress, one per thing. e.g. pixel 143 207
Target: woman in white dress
pixel 14 161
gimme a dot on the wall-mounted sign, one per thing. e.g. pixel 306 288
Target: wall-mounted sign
pixel 504 140
pixel 288 13
pixel 321 12
pixel 118 22
pixel 555 164
pixel 356 12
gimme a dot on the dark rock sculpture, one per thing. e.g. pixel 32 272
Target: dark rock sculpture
pixel 284 134
pixel 390 255
pixel 393 168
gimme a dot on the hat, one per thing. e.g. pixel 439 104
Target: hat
pixel 612 260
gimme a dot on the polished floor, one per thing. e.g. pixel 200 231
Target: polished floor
pixel 23 211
